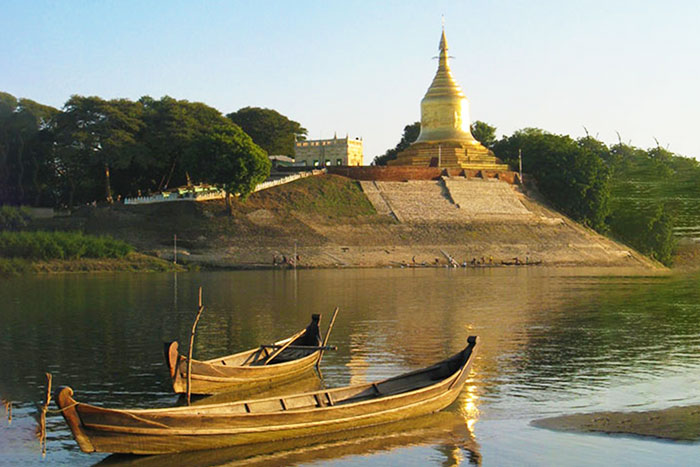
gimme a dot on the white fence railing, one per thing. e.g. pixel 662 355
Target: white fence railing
pixel 214 194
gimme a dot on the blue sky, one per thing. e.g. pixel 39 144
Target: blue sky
pixel 362 67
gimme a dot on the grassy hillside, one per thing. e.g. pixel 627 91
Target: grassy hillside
pixel 270 217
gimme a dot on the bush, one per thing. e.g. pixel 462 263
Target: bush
pixel 570 173
pixel 13 266
pixel 648 229
pixel 60 245
pixel 14 218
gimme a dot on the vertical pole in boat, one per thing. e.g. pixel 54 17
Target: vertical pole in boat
pixel 189 355
pixel 295 254
pixel 174 248
pixel 325 338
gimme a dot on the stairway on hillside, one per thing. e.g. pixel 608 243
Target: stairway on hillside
pixel 452 199
pixel 375 197
pixel 420 201
pixel 478 197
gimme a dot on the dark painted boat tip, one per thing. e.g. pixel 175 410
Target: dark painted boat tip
pixel 171 356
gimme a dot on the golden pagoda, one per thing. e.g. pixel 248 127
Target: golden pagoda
pixel 445 139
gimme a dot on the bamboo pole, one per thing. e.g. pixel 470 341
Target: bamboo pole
pixel 41 431
pixel 189 354
pixel 8 410
pixel 325 339
pixel 279 351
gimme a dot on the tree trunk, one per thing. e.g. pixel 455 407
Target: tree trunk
pixel 170 174
pixel 20 171
pixel 229 203
pixel 108 186
pixel 71 195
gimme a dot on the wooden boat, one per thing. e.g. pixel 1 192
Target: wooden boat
pixel 446 429
pixel 158 431
pixel 258 368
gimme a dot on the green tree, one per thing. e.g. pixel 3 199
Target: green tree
pixel 410 134
pixel 269 129
pixel 171 126
pixel 228 158
pixel 571 175
pixel 484 133
pixel 92 133
pixel 24 150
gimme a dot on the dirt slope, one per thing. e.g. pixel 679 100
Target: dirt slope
pixel 333 223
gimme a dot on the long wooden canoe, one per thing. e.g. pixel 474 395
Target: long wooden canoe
pixel 248 369
pixel 158 431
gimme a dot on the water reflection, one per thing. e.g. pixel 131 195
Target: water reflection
pixel 552 341
pixel 445 430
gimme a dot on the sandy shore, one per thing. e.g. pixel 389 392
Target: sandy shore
pixel 675 423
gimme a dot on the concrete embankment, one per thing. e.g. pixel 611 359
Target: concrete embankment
pixel 333 221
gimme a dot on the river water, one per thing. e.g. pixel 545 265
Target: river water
pixel 554 341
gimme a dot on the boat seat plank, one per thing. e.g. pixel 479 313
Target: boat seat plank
pixel 303 401
pixel 263 406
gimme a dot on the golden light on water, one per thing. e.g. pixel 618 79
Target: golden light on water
pixel 469 408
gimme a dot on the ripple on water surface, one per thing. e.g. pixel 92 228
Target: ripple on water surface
pixel 553 342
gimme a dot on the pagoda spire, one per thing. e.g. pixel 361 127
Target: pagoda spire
pixel 443 50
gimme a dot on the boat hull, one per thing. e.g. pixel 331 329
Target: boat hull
pixel 244 370
pixel 159 431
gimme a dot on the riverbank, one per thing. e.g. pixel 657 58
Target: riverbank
pixel 328 221
pixel 132 262
pixel 675 423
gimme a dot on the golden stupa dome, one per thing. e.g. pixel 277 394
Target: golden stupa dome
pixel 445 108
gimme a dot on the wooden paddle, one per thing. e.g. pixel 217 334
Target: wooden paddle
pixel 279 351
pixel 325 339
pixel 301 347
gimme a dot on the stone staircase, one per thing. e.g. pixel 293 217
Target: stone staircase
pixel 450 199
pixel 375 197
pixel 485 197
pixel 419 201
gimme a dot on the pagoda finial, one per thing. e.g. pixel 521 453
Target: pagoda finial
pixel 443 47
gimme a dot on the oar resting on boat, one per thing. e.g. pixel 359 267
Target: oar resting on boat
pixel 157 431
pixel 262 366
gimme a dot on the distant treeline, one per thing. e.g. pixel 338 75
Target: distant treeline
pixel 100 150
pixel 590 181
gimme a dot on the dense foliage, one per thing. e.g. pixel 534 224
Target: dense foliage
pixel 484 133
pixel 269 129
pixel 227 158
pixel 568 172
pixel 102 150
pixel 649 229
pixel 13 218
pixel 60 245
pixel 26 174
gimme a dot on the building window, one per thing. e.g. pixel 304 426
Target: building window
pixel 303 163
pixel 339 162
pixel 315 162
